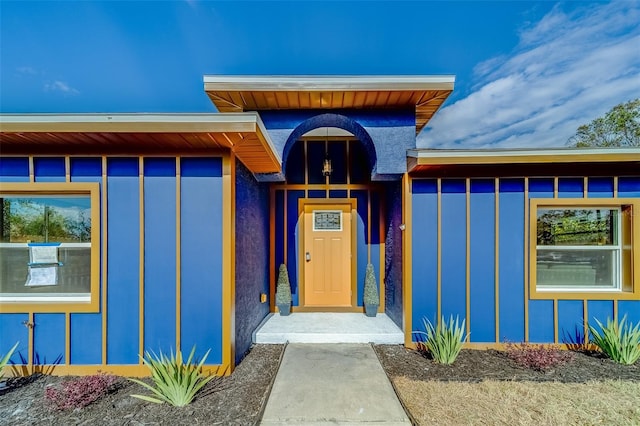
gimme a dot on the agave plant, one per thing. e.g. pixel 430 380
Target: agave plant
pixel 4 360
pixel 444 341
pixel 620 342
pixel 176 382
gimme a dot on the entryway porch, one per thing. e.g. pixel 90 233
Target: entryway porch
pixel 328 327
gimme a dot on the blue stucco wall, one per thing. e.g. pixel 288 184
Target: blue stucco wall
pixel 391 131
pixel 201 262
pixel 252 256
pixel 496 318
pixel 393 253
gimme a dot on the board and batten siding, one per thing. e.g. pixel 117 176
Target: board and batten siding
pixel 470 239
pixel 161 265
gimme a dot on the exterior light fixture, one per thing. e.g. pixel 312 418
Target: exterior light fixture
pixel 326 166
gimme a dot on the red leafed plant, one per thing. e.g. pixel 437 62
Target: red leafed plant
pixel 80 392
pixel 538 356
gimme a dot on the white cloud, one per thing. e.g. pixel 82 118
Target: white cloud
pixel 566 70
pixel 60 86
pixel 26 70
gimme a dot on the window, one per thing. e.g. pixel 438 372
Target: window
pixel 327 220
pixel 583 246
pixel 49 246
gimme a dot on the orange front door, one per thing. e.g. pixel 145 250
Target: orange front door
pixel 327 255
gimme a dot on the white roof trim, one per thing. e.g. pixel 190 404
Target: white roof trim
pixel 267 138
pixel 240 117
pixel 328 83
pixel 125 123
pixel 134 123
pixel 634 153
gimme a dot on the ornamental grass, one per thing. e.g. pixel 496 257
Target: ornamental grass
pixel 444 341
pixel 618 341
pixel 174 381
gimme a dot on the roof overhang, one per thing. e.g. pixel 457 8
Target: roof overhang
pixel 254 93
pixel 244 134
pixel 430 161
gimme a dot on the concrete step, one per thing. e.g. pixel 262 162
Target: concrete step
pixel 328 327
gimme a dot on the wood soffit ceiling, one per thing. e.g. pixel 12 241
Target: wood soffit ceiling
pixel 239 94
pixel 246 138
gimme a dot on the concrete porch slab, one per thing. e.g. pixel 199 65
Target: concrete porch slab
pixel 328 327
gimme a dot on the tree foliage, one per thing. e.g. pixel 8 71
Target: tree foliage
pixel 25 219
pixel 619 127
pixel 575 227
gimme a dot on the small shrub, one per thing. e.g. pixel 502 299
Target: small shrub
pixel 371 296
pixel 4 360
pixel 176 382
pixel 538 357
pixel 80 392
pixel 283 288
pixel 444 341
pixel 620 342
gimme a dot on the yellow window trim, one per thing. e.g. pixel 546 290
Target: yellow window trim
pixel 631 234
pixel 63 188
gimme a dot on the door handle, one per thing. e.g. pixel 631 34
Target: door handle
pixel 307 256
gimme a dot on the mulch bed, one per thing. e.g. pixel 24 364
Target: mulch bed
pixel 234 400
pixel 477 365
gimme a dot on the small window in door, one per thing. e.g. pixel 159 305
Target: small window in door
pixel 327 220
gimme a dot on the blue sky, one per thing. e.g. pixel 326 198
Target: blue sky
pixel 527 73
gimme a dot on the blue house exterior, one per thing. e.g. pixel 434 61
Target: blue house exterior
pixel 123 233
pixel 476 242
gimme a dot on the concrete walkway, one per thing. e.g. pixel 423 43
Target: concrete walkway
pixel 337 384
